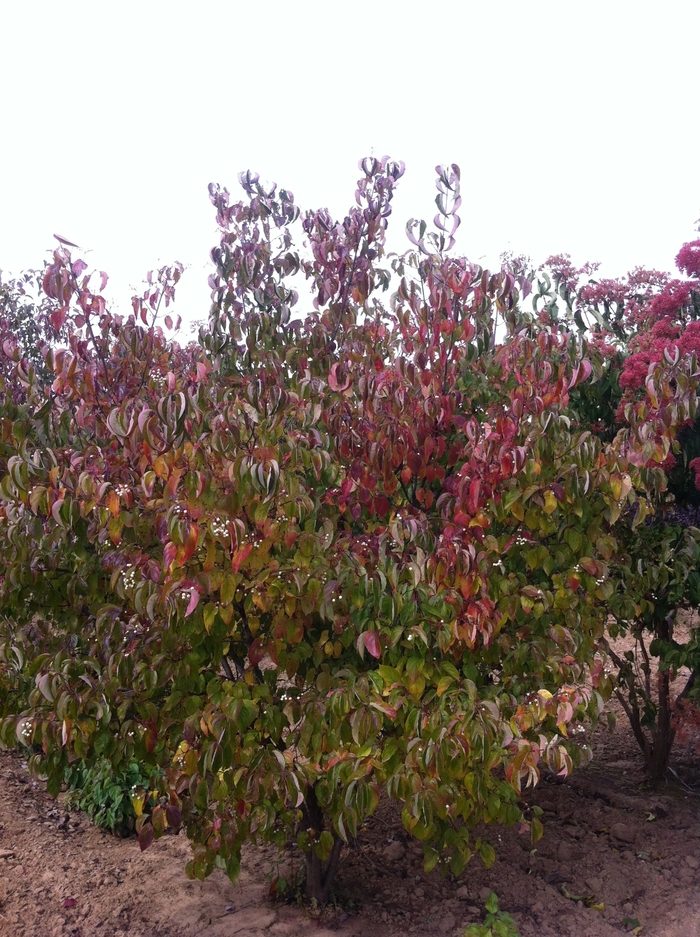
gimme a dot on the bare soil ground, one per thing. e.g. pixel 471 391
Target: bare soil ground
pixel 607 837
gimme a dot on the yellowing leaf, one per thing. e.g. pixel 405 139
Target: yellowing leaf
pixel 444 683
pixel 550 502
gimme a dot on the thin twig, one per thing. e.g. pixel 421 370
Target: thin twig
pixel 680 780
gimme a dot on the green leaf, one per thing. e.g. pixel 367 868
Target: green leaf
pixel 488 855
pixel 324 846
pixel 201 797
pixel 536 830
pixel 430 859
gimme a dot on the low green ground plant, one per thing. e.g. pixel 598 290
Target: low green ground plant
pixel 496 923
pixel 107 794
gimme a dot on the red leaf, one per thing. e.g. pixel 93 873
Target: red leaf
pixel 474 492
pixel 597 671
pixel 338 379
pixel 256 652
pixel 193 602
pixel 190 544
pixel 240 556
pixel 581 372
pixel 381 505
pixel 56 507
pixel 372 643
pixel 10 350
pixel 112 503
pixel 414 462
pixel 58 318
pixel 169 554
pixel 150 736
pixel 591 566
pixel 69 903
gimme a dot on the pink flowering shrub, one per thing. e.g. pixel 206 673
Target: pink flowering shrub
pixel 688 259
pixel 639 330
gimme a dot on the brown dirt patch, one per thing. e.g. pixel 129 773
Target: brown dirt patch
pixel 606 834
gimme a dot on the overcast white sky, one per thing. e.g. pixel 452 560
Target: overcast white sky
pixel 576 124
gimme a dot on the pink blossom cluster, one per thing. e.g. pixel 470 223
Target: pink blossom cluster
pixel 565 272
pixel 598 292
pixel 694 466
pixel 688 259
pixel 605 343
pixel 668 463
pixel 674 298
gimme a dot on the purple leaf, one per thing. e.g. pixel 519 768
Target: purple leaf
pixel 65 241
pixel 173 816
pixel 145 836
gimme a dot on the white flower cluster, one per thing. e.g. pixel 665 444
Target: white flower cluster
pixel 129 577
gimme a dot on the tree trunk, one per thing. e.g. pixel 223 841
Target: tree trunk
pixel 320 874
pixel 663 734
pixel 657 740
